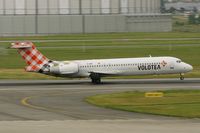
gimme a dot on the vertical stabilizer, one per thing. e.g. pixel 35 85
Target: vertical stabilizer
pixel 33 58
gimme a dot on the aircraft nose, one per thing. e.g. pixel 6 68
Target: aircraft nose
pixel 189 67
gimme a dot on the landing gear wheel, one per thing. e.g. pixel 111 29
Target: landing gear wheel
pixel 182 76
pixel 96 79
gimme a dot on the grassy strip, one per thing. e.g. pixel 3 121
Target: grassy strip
pixel 108 36
pixel 21 74
pixel 135 43
pixel 10 60
pixel 174 103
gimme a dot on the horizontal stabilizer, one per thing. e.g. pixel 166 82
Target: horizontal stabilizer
pixel 21 45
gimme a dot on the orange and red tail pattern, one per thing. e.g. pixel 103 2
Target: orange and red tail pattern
pixel 34 59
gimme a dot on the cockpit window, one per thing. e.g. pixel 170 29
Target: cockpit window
pixel 178 61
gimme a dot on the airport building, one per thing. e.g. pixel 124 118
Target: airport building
pixel 30 17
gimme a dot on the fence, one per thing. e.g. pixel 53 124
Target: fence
pixel 67 24
pixel 75 7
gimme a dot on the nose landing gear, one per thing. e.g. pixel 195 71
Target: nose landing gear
pixel 182 76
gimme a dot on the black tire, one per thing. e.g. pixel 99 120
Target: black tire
pixel 182 78
pixel 96 79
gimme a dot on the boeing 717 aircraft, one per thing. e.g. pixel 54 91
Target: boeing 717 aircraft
pixel 98 68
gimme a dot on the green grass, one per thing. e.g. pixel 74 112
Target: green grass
pixel 174 103
pixel 107 36
pixel 10 60
pixel 190 54
pixel 21 74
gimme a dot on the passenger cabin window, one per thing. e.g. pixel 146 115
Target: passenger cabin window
pixel 178 61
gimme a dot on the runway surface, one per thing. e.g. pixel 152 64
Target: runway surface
pixel 44 102
pixel 65 99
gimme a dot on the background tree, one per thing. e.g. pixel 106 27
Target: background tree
pixel 195 10
pixel 182 9
pixel 172 10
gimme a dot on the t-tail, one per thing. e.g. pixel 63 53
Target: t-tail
pixel 35 60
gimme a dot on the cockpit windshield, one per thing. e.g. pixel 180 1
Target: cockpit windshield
pixel 178 61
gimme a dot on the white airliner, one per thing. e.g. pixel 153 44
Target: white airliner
pixel 97 68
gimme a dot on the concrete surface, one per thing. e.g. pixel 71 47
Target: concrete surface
pixel 41 106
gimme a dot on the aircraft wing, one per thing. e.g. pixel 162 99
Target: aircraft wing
pixel 104 74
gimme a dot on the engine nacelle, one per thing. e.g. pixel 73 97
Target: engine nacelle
pixel 64 68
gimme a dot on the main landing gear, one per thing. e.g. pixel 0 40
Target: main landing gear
pixel 182 76
pixel 96 78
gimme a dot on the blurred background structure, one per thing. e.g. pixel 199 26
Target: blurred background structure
pixel 30 17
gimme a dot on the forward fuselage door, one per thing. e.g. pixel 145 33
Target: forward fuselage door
pixel 166 66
